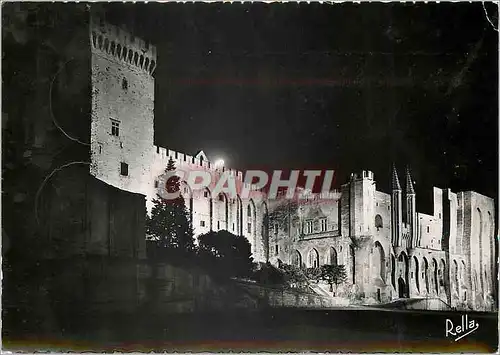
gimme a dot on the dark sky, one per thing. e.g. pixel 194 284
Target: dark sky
pixel 344 86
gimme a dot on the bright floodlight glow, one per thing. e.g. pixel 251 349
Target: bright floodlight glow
pixel 219 163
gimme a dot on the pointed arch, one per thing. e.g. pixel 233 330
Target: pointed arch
pixel 426 274
pixel 313 258
pixel 378 222
pixel 296 259
pixel 378 261
pixel 141 61
pixel 221 209
pixel 435 276
pixel 403 280
pixel 146 63
pixel 333 258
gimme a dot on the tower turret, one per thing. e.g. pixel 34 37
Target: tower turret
pixel 396 211
pixel 411 211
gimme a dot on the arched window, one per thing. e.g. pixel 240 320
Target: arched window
pixel 378 222
pixel 378 261
pixel 119 51
pixel 249 211
pixel 146 64
pixel 99 42
pixel 313 259
pixel 333 256
pixel 94 39
pixel 130 55
pixel 221 197
pixel 136 58
pixel 124 54
pixel 113 48
pixel 141 61
pixel 152 66
pixel 106 45
pixel 297 259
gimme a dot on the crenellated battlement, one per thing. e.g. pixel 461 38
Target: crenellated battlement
pixel 120 45
pixel 365 174
pixel 183 159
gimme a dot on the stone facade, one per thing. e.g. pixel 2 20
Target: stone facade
pixel 388 254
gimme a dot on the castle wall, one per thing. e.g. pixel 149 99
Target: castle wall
pixel 454 257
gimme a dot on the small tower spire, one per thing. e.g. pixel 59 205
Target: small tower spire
pixel 395 179
pixel 409 182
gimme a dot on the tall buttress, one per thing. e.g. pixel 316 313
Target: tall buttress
pixel 396 209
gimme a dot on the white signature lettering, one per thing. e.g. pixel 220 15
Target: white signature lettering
pixel 460 331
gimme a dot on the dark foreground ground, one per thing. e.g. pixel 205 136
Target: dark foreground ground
pixel 335 330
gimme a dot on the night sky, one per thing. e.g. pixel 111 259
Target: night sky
pixel 345 87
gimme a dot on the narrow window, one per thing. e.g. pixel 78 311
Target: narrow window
pixel 276 249
pixel 249 227
pixel 124 169
pixel 124 84
pixel 205 193
pixel 427 229
pixel 323 225
pixel 202 223
pixel 233 226
pixel 218 225
pixel 156 184
pixel 115 128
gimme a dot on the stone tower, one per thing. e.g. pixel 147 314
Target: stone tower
pixel 362 210
pixel 122 112
pixel 396 211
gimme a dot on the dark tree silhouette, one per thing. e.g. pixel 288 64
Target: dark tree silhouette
pixel 227 254
pixel 169 227
pixel 333 275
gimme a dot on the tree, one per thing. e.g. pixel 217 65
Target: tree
pixel 282 214
pixel 294 276
pixel 227 254
pixel 333 275
pixel 169 226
